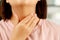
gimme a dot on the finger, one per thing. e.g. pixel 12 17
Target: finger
pixel 28 24
pixel 25 20
pixel 34 23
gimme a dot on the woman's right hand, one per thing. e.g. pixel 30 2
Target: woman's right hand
pixel 24 28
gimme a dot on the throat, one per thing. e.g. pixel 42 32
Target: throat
pixel 19 13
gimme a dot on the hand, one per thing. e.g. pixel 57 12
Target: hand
pixel 24 28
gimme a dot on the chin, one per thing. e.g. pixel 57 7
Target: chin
pixel 23 4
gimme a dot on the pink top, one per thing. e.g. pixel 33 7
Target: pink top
pixel 45 30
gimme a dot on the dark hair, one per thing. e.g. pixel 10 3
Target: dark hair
pixel 6 10
pixel 41 9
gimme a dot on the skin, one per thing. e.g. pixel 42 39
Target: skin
pixel 24 18
pixel 24 28
pixel 21 8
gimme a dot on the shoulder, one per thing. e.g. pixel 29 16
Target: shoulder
pixel 46 27
pixel 49 26
pixel 5 29
pixel 2 30
pixel 6 25
pixel 1 24
pixel 47 23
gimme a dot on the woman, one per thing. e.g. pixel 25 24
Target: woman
pixel 26 20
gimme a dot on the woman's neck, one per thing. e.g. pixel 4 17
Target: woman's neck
pixel 21 12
